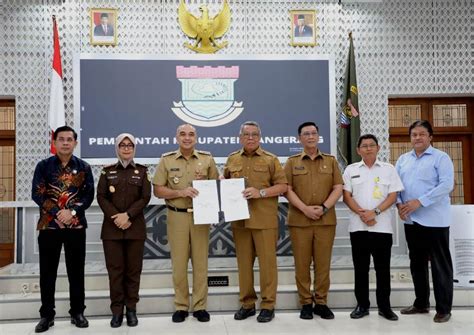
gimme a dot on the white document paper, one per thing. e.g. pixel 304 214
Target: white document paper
pixel 233 203
pixel 206 204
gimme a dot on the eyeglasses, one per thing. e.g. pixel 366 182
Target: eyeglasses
pixel 367 146
pixel 126 146
pixel 249 135
pixel 309 133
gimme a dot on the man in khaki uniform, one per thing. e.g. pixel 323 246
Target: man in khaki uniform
pixel 173 182
pixel 257 236
pixel 314 186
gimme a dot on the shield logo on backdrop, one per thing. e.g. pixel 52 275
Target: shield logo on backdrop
pixel 208 95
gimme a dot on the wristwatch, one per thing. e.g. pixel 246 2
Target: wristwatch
pixel 377 211
pixel 73 212
pixel 263 194
pixel 325 209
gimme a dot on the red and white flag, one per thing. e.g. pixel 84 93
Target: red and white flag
pixel 56 102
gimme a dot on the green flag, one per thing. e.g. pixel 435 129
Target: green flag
pixel 349 120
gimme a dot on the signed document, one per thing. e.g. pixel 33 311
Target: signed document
pixel 232 205
pixel 206 204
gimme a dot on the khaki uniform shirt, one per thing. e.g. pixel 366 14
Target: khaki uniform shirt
pixel 177 173
pixel 261 170
pixel 124 190
pixel 312 181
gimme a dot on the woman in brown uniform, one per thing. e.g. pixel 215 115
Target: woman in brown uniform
pixel 122 193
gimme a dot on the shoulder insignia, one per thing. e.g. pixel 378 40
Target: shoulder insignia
pixel 295 156
pixel 234 153
pixel 327 155
pixel 202 152
pixel 141 165
pixel 105 168
pixel 268 153
pixel 168 153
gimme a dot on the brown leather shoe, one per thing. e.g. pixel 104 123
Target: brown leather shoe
pixel 414 310
pixel 439 318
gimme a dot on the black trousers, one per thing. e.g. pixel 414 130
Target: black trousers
pixel 429 244
pixel 124 259
pixel 379 245
pixel 50 243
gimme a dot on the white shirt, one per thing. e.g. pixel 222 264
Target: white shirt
pixel 369 188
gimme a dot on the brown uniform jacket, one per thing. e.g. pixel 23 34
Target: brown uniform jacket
pixel 262 169
pixel 124 190
pixel 177 173
pixel 312 181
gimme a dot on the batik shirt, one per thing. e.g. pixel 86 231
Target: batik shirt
pixel 56 187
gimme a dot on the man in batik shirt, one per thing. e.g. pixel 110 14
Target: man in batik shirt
pixel 63 188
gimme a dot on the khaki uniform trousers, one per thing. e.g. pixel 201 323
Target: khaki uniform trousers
pixel 250 243
pixel 188 240
pixel 313 243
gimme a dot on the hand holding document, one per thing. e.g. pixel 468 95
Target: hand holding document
pixel 206 203
pixel 219 196
pixel 233 204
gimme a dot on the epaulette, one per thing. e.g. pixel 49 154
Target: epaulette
pixel 295 155
pixel 105 168
pixel 168 153
pixel 109 166
pixel 326 154
pixel 202 152
pixel 268 153
pixel 234 153
pixel 141 165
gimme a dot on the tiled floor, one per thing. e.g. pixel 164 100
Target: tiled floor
pixel 461 323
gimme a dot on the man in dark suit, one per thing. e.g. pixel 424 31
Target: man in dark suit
pixel 303 30
pixel 104 28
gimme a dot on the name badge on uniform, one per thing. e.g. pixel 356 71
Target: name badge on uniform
pixel 356 176
pixel 175 180
pixel 377 193
pixel 112 189
pixel 174 169
pixel 299 167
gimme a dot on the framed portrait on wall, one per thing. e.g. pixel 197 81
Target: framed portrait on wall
pixel 103 26
pixel 303 27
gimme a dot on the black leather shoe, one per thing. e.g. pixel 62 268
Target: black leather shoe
pixel 306 312
pixel 323 311
pixel 388 314
pixel 43 325
pixel 244 313
pixel 414 310
pixel 180 316
pixel 79 320
pixel 359 312
pixel 266 315
pixel 202 315
pixel 131 316
pixel 116 320
pixel 439 318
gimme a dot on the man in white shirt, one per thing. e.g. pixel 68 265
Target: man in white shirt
pixel 370 190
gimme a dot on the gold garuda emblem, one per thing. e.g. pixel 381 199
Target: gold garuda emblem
pixel 204 29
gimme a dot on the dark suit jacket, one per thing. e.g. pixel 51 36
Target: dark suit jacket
pixel 99 31
pixel 307 31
